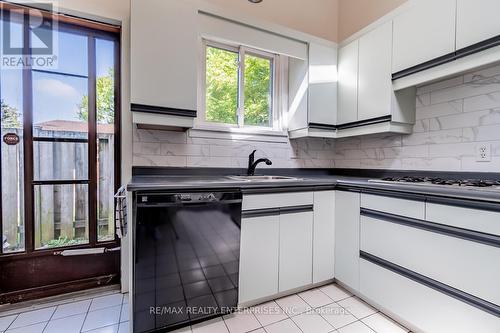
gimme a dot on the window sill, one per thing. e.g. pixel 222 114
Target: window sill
pixel 242 134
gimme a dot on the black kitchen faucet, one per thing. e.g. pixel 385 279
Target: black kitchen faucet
pixel 252 165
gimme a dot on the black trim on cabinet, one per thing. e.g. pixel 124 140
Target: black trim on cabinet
pixel 425 65
pixel 464 203
pixel 433 284
pixel 365 122
pixel 162 110
pixel 276 211
pixel 478 47
pixel 296 209
pixel 394 194
pixel 464 52
pixel 466 234
pixel 285 189
pixel 322 126
pixel 260 212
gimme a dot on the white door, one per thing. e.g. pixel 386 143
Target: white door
pixel 324 236
pixel 375 82
pixel 259 257
pixel 322 84
pixel 347 238
pixel 295 254
pixel 477 20
pixel 347 107
pixel 425 31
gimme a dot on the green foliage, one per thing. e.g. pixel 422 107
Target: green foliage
pixel 64 241
pixel 10 116
pixel 222 88
pixel 257 90
pixel 105 91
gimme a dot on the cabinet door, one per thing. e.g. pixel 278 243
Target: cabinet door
pixel 477 20
pixel 375 82
pixel 295 254
pixel 164 53
pixel 425 31
pixel 259 257
pixel 324 236
pixel 347 108
pixel 347 238
pixel 322 84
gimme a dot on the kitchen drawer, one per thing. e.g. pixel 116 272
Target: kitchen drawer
pixel 421 308
pixel 397 206
pixel 466 265
pixel 467 218
pixel 276 200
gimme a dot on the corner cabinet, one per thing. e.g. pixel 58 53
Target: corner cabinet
pixel 367 102
pixel 164 47
pixel 313 92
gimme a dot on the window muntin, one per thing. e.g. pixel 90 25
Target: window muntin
pixel 240 86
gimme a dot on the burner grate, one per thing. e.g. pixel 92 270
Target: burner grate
pixel 443 181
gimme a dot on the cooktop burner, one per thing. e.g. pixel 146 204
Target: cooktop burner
pixel 442 181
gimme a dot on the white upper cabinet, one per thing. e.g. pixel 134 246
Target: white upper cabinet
pixel 374 83
pixel 424 31
pixel 348 83
pixel 477 20
pixel 164 53
pixel 322 84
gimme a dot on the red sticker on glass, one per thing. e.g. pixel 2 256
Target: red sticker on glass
pixel 11 139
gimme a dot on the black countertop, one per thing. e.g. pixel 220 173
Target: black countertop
pixel 185 180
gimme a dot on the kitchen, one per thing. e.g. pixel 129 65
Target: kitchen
pixel 255 166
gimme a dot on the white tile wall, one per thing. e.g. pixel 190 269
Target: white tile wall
pixel 453 116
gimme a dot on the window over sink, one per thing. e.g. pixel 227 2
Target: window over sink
pixel 240 88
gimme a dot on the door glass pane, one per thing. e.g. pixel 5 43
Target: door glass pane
pixel 12 158
pixel 61 215
pixel 60 160
pixel 221 86
pixel 258 90
pixel 105 92
pixel 60 106
pixel 70 50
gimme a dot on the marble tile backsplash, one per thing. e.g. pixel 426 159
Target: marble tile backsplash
pixel 453 116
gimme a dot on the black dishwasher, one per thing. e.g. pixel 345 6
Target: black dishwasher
pixel 186 258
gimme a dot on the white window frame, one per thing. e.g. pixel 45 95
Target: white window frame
pixel 277 79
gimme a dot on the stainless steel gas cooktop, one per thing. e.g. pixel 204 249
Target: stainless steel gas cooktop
pixel 484 184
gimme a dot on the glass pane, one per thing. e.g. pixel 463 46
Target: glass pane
pixel 105 55
pixel 12 160
pixel 258 91
pixel 61 215
pixel 70 51
pixel 60 160
pixel 221 86
pixel 60 106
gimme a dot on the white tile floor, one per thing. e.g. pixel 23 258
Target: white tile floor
pixel 322 310
pixel 105 313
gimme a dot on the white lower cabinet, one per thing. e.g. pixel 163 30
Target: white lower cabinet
pixel 295 255
pixel 419 307
pixel 259 257
pixel 347 238
pixel 324 236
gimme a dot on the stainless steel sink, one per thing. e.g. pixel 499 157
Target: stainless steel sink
pixel 263 178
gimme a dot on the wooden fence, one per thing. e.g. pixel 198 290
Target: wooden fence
pixel 60 211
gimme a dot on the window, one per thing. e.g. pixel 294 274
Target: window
pixel 240 87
